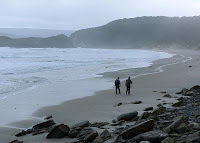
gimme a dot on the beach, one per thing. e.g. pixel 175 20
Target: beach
pixel 165 76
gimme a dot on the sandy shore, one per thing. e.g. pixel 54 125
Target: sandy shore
pixel 101 106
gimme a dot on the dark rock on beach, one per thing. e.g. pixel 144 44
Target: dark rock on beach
pixel 152 136
pixel 138 129
pixel 44 125
pixel 16 141
pixel 167 95
pixel 137 102
pixel 59 131
pixel 148 109
pixel 81 125
pixel 105 135
pixel 22 133
pixel 127 116
pixel 90 137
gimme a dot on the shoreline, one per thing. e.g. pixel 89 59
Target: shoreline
pixel 109 104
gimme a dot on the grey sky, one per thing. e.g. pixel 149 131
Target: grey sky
pixel 78 14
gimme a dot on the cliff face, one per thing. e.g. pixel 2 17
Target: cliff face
pixel 60 41
pixel 142 32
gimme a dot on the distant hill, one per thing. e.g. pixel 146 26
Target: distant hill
pixel 142 32
pixel 28 32
pixel 59 41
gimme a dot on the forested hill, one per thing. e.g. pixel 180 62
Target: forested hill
pixel 60 41
pixel 142 32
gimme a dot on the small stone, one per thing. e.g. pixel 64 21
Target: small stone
pixel 176 123
pixel 145 115
pixel 48 117
pixel 167 95
pixel 136 102
pixel 148 109
pixel 22 133
pixel 127 116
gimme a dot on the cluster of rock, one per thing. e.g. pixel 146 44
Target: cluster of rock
pixel 179 124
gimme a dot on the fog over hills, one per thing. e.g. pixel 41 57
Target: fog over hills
pixel 142 32
pixel 27 32
pixel 59 41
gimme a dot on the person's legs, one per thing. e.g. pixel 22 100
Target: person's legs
pixel 119 89
pixel 128 88
pixel 116 89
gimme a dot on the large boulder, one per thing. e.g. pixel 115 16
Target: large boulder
pixel 42 125
pixel 137 129
pixel 59 131
pixel 152 136
pixel 97 140
pixel 127 116
pixel 168 140
pixel 195 88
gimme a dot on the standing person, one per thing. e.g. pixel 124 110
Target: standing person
pixel 117 85
pixel 128 85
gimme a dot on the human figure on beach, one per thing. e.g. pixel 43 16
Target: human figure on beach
pixel 128 85
pixel 117 85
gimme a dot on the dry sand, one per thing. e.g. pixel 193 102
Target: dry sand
pixel 101 106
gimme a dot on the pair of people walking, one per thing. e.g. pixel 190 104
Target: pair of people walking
pixel 127 83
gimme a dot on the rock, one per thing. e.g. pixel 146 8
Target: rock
pixel 74 141
pixel 118 123
pixel 105 135
pixel 114 139
pixel 91 137
pixel 99 124
pixel 97 140
pixel 179 103
pixel 59 131
pixel 144 142
pixel 193 138
pixel 168 140
pixel 38 132
pixel 159 110
pixel 42 125
pixel 174 125
pixel 183 128
pixel 189 66
pixel 145 115
pixel 163 92
pixel 137 102
pixel 127 116
pixel 16 141
pixel 119 104
pixel 84 132
pixel 194 126
pixel 167 95
pixel 195 88
pixel 22 133
pixel 29 131
pixel 152 136
pixel 148 109
pixel 138 129
pixel 73 133
pixel 81 124
pixel 48 117
pixel 184 90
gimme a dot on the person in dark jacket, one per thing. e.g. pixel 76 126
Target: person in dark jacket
pixel 117 85
pixel 128 85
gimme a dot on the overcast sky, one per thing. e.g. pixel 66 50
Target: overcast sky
pixel 78 14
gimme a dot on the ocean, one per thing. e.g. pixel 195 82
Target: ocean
pixel 36 77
